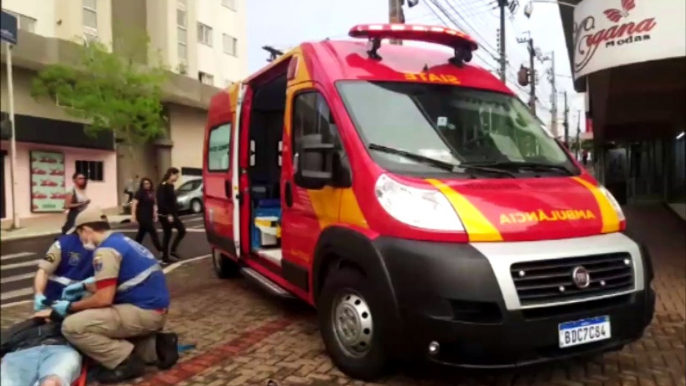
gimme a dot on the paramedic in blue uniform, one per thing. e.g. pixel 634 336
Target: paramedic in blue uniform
pixel 130 303
pixel 66 263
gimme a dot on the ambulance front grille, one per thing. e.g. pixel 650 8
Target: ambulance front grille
pixel 551 281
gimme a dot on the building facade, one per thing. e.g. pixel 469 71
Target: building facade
pixel 201 41
pixel 630 59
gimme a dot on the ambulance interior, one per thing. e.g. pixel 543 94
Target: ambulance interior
pixel 266 130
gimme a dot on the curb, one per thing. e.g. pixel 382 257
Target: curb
pixel 4 236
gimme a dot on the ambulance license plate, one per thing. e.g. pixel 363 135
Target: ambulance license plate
pixel 584 331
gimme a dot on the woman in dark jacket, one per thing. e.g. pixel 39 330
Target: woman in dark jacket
pixel 144 212
pixel 169 214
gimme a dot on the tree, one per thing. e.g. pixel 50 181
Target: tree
pixel 112 91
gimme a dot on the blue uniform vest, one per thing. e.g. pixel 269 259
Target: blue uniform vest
pixel 141 281
pixel 76 264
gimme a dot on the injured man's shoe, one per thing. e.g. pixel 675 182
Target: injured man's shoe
pixel 167 347
pixel 131 368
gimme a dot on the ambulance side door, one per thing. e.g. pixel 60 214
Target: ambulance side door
pixel 305 212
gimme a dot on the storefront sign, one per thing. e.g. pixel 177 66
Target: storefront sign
pixel 47 182
pixel 614 33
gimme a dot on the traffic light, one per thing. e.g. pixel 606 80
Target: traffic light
pixel 523 76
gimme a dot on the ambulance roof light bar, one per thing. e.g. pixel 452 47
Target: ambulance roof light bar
pixel 462 43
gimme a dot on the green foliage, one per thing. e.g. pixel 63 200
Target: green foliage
pixel 113 91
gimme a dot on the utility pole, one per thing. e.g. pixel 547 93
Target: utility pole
pixel 566 122
pixel 553 94
pixel 501 33
pixel 578 133
pixel 532 71
pixel 395 15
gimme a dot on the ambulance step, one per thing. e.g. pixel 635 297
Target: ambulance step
pixel 265 283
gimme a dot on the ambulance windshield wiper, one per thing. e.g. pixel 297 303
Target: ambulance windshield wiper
pixel 434 162
pixel 520 165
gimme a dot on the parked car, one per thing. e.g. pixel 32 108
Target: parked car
pixel 189 196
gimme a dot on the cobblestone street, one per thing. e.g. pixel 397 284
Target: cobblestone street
pixel 245 338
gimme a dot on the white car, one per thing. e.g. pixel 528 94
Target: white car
pixel 189 196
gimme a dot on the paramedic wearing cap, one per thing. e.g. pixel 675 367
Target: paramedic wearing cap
pixel 66 264
pixel 130 301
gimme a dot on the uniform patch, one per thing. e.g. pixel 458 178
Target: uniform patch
pixel 97 264
pixel 74 259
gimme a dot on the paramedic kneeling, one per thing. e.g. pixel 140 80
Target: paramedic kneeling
pixel 118 326
pixel 66 263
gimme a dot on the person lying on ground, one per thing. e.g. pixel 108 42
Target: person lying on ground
pixel 34 353
pixel 120 325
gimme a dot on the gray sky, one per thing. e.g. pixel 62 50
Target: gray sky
pixel 286 23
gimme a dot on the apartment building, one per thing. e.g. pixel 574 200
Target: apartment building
pixel 202 42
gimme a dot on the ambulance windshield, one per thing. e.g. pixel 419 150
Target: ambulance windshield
pixel 451 124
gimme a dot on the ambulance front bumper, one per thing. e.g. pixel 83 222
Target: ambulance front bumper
pixel 463 305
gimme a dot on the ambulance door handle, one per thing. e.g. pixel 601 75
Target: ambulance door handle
pixel 227 188
pixel 288 194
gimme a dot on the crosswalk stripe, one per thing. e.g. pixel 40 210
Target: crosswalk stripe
pixel 14 278
pixel 32 263
pixel 16 255
pixel 16 293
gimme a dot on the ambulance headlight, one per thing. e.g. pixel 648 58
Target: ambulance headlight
pixel 613 202
pixel 421 208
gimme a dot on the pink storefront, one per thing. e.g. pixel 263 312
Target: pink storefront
pixel 45 167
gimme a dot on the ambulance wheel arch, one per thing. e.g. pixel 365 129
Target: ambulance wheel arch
pixel 340 248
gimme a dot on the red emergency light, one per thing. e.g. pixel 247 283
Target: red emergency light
pixel 462 43
pixel 422 33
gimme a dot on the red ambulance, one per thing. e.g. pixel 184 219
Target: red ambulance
pixel 419 206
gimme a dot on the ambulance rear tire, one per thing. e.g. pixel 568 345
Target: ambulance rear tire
pixel 224 267
pixel 348 310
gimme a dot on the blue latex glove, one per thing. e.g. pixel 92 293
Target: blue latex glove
pixel 75 291
pixel 38 300
pixel 61 307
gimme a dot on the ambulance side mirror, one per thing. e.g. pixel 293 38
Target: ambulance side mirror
pixel 314 162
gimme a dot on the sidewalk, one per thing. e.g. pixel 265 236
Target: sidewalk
pixel 49 225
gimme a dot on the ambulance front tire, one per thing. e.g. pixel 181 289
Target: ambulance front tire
pixel 348 310
pixel 224 267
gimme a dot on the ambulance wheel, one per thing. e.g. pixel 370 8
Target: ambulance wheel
pixel 224 267
pixel 349 311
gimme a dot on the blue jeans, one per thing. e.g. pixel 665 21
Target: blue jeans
pixel 31 366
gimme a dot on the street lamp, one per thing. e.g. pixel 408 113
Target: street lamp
pixel 529 7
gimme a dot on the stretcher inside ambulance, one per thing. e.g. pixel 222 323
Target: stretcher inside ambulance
pixel 417 203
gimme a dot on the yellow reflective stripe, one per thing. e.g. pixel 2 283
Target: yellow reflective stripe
pixel 475 223
pixel 607 212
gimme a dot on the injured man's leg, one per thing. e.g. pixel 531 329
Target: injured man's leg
pixel 46 365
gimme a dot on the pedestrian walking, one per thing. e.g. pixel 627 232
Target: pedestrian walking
pixel 144 212
pixel 76 200
pixel 169 215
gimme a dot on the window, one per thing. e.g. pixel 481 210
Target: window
pixel 311 115
pixel 189 186
pixel 447 123
pixel 93 170
pixel 230 45
pixel 205 34
pixel 90 16
pixel 230 4
pixel 219 148
pixel 206 78
pixel 24 22
pixel 182 37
